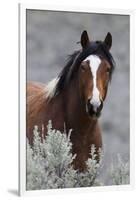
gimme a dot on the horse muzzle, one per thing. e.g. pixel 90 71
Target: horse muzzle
pixel 94 110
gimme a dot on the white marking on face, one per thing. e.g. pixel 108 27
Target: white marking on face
pixel 95 61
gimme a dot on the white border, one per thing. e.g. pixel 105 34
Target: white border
pixel 22 100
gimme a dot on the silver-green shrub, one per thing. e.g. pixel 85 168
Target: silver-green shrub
pixel 120 171
pixel 49 164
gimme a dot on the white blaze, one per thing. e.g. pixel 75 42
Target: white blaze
pixel 94 65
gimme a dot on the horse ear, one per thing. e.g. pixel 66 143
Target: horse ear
pixel 108 40
pixel 84 39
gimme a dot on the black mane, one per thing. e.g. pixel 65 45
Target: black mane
pixel 71 68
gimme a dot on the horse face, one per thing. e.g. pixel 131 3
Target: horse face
pixel 94 79
pixel 95 76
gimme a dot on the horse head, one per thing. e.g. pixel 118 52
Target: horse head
pixel 95 72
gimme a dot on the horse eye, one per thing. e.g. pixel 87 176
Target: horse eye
pixel 108 70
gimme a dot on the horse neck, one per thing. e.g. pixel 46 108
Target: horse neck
pixel 75 108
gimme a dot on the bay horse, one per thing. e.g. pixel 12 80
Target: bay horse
pixel 75 98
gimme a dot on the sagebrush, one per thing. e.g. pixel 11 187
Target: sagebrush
pixel 49 164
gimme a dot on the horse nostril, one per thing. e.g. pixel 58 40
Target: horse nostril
pixel 97 106
pixel 94 108
pixel 101 106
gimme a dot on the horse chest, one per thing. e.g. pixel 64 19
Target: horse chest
pixel 82 141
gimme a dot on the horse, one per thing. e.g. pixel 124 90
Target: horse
pixel 75 98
